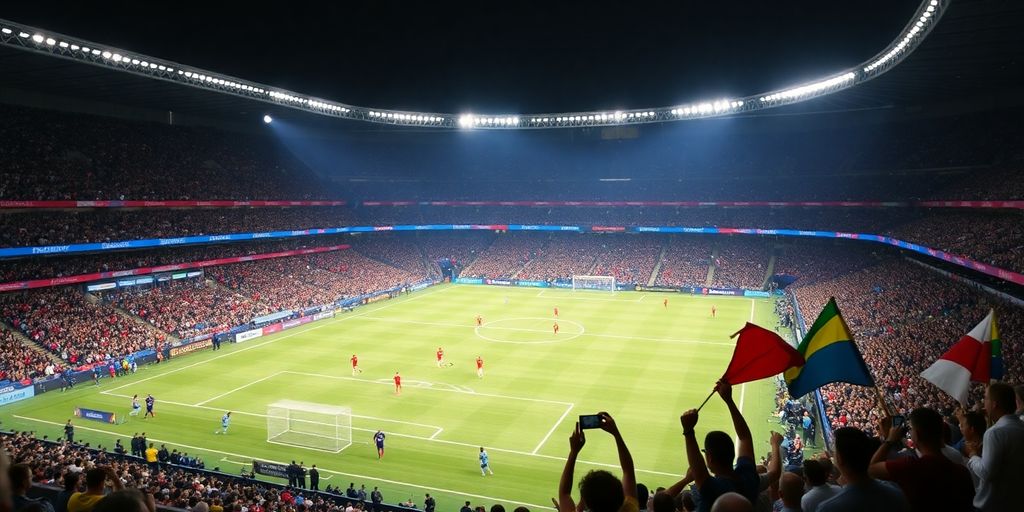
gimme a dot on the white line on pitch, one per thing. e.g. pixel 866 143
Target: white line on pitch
pixel 552 431
pixel 353 475
pixel 387 382
pixel 239 388
pixel 541 295
pixel 420 438
pixel 545 331
pixel 274 340
pixel 752 310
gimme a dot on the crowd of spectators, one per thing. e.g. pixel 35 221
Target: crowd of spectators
pixel 505 257
pixel 629 259
pixel 187 308
pixel 70 265
pixel 741 262
pixel 298 282
pixel 459 249
pixel 48 227
pixel 564 257
pixel 686 261
pixel 994 237
pixel 77 330
pixel 48 155
pixel 20 362
pixel 75 467
pixel 397 251
pixel 904 317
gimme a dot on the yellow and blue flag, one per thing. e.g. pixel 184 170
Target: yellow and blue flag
pixel 830 355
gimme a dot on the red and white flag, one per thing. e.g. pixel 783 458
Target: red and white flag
pixel 969 360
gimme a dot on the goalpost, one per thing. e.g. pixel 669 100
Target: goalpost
pixel 602 283
pixel 320 427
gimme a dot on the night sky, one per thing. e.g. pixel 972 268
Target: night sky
pixel 495 56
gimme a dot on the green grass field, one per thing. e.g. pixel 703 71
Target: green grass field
pixel 623 353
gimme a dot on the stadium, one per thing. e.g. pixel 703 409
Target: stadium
pixel 382 257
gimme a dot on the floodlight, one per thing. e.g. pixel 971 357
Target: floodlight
pixel 267 119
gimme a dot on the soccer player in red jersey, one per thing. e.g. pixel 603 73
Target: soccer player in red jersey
pixel 713 311
pixel 664 303
pixel 555 327
pixel 440 357
pixel 556 311
pixel 479 367
pixel 355 365
pixel 479 320
pixel 398 384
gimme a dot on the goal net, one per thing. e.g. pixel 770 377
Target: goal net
pixel 320 427
pixel 602 283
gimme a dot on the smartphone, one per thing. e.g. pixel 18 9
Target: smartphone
pixel 899 421
pixel 590 421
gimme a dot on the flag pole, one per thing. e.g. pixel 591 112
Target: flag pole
pixel 702 404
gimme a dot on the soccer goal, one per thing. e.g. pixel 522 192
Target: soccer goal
pixel 317 426
pixel 602 283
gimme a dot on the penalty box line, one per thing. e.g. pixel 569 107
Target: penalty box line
pixel 341 473
pixel 437 429
pixel 275 340
pixel 431 438
pixel 547 331
pixel 541 295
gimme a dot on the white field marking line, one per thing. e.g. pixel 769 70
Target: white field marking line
pixel 597 335
pixel 552 431
pixel 435 427
pixel 434 436
pixel 275 340
pixel 303 446
pixel 353 475
pixel 374 418
pixel 541 295
pixel 408 436
pixel 445 390
pixel 239 388
pixel 568 337
pixel 752 310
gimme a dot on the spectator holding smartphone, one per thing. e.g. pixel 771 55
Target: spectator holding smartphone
pixel 600 491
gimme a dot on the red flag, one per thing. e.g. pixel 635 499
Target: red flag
pixel 759 354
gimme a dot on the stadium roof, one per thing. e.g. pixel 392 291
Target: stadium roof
pixel 973 51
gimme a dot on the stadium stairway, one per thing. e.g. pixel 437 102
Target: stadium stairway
pixel 657 266
pixel 431 267
pixel 170 337
pixel 25 340
pixel 711 268
pixel 769 271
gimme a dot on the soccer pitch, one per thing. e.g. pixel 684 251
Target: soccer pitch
pixel 624 353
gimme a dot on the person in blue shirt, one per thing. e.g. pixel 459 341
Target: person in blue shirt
pixel 149 407
pixel 378 439
pixel 485 466
pixel 96 374
pixel 225 422
pixel 135 406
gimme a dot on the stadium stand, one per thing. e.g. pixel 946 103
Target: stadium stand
pixel 51 156
pixel 898 312
pixel 79 331
pixel 20 362
pixel 686 261
pixel 505 257
pixel 187 309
